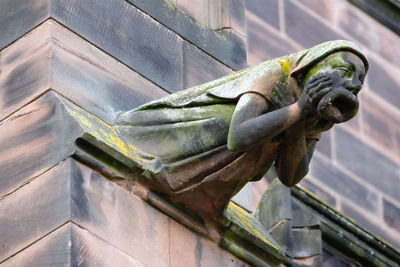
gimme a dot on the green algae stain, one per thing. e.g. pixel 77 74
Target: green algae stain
pixel 246 221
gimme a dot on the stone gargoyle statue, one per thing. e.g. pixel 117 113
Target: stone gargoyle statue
pixel 201 145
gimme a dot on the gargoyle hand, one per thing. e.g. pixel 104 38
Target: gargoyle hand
pixel 316 87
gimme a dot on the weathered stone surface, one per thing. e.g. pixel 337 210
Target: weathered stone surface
pixel 275 205
pixel 199 67
pixel 306 242
pixel 133 41
pixel 237 16
pixel 52 57
pixel 344 185
pixel 73 192
pixel 310 31
pixel 194 8
pixel 380 123
pixel 71 245
pixel 368 32
pixel 44 201
pixel 318 191
pixel 391 214
pixel 374 227
pixel 264 43
pixel 224 45
pixel 18 17
pixel 244 229
pixel 304 216
pixel 266 10
pixel 32 140
pixel 129 35
pixel 25 69
pixel 324 9
pixel 282 233
pixel 190 249
pixel 373 167
pixel 382 79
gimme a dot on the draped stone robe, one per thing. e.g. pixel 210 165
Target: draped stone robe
pixel 181 139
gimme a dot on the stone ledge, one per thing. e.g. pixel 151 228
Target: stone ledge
pixel 343 232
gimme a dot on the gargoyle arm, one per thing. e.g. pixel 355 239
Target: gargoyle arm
pixel 295 154
pixel 251 124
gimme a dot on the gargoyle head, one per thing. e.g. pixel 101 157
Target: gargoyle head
pixel 346 71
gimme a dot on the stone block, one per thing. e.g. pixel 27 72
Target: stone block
pixel 35 210
pixel 281 232
pixel 117 27
pixel 73 192
pixel 391 214
pixel 190 249
pixel 52 57
pixel 200 68
pixel 323 9
pixel 25 71
pixel 237 16
pixel 18 17
pixel 71 245
pixel 380 123
pixel 266 10
pixel 311 31
pixel 194 8
pixel 337 180
pixel 127 34
pixel 369 164
pixel 306 242
pixel 225 45
pixel 34 139
pixel 368 32
pixel 264 43
pixel 275 205
pixel 303 216
pixel 382 81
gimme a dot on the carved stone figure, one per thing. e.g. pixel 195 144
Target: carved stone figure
pixel 201 145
